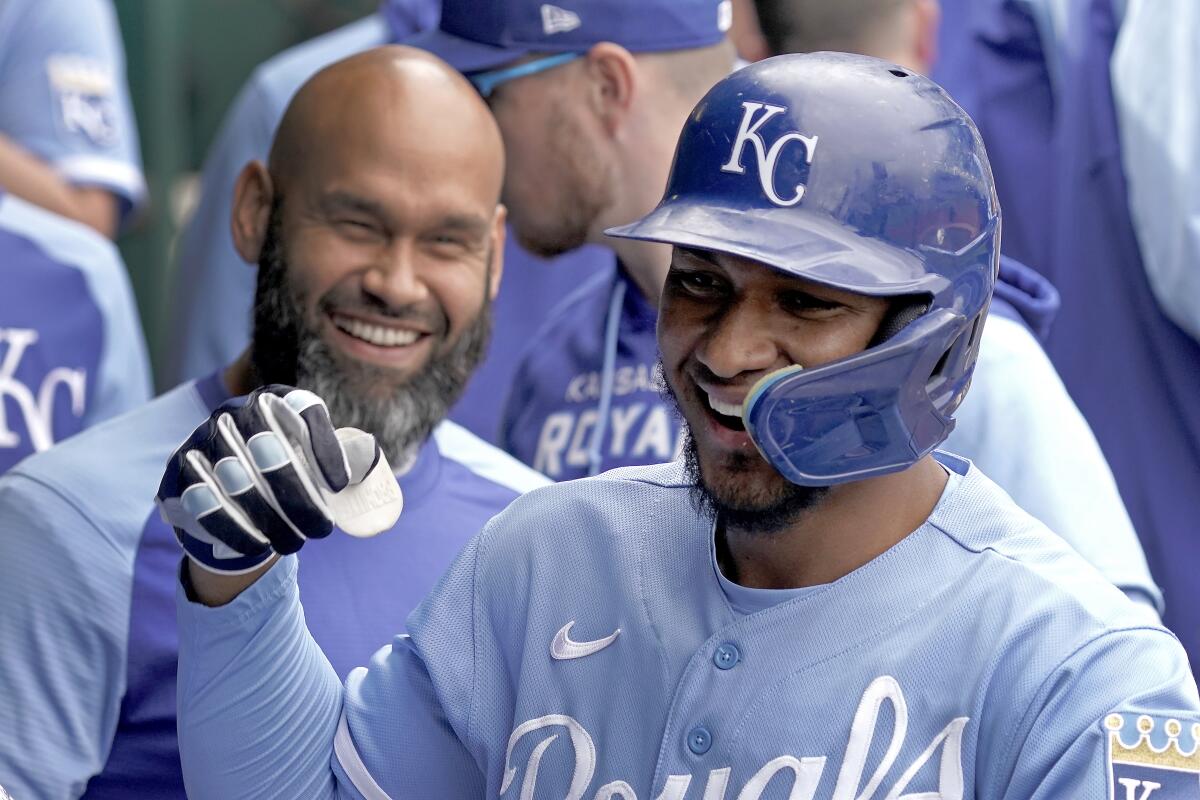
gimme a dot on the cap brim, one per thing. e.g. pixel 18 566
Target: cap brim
pixel 809 246
pixel 463 54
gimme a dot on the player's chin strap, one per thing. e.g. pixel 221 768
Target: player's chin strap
pixel 863 416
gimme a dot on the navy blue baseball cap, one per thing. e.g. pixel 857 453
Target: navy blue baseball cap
pixel 477 35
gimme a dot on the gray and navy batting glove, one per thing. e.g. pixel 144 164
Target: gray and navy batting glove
pixel 268 472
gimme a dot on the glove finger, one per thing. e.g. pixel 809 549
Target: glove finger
pixel 305 419
pixel 253 489
pixel 297 500
pixel 362 452
pixel 241 488
pixel 276 452
pixel 174 480
pixel 224 530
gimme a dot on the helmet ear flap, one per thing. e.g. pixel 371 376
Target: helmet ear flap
pixel 903 311
pixel 963 350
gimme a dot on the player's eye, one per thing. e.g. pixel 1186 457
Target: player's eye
pixel 698 283
pixel 450 245
pixel 808 304
pixel 357 229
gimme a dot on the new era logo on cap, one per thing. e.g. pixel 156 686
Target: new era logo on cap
pixel 558 20
pixel 481 35
pixel 725 15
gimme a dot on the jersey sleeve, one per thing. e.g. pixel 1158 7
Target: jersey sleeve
pixel 395 739
pixel 64 95
pixel 1019 425
pixel 250 669
pixel 214 286
pixel 65 592
pixel 1153 79
pixel 1063 745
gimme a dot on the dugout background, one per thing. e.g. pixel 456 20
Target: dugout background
pixel 186 60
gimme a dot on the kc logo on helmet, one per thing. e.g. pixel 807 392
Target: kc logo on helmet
pixel 768 157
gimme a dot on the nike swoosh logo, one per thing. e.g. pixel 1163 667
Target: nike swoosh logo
pixel 562 648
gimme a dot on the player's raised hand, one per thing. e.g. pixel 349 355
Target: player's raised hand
pixel 265 474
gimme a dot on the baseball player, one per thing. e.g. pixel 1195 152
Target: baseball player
pixel 214 289
pixel 1017 392
pixel 813 604
pixel 68 141
pixel 71 348
pixel 586 397
pixel 378 256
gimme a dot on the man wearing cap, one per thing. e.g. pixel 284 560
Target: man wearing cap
pixel 589 97
pixel 814 603
pixel 589 109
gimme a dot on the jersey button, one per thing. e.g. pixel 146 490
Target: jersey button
pixel 727 656
pixel 699 740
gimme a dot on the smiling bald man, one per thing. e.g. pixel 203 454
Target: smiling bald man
pixel 378 234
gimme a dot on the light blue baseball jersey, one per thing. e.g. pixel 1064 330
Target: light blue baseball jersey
pixel 215 288
pixel 587 399
pixel 64 95
pixel 585 646
pixel 71 347
pixel 87 579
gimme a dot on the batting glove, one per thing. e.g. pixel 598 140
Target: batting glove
pixel 265 474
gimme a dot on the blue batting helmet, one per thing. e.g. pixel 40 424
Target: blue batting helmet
pixel 857 174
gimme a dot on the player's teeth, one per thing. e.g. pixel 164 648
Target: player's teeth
pixel 728 409
pixel 377 334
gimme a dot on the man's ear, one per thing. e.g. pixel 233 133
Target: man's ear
pixel 746 32
pixel 498 235
pixel 928 15
pixel 613 74
pixel 253 195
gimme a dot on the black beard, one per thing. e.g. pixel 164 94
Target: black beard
pixel 285 349
pixel 740 510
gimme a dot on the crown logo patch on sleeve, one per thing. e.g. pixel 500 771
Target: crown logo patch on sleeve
pixel 1152 757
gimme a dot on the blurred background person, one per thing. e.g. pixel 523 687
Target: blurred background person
pixel 71 346
pixel 1158 118
pixel 68 141
pixel 1134 372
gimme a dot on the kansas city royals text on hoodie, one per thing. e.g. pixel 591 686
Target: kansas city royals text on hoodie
pixel 585 646
pixel 587 399
pixel 71 347
pixel 88 572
